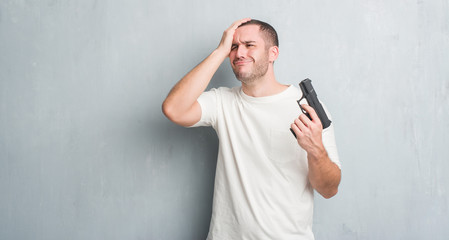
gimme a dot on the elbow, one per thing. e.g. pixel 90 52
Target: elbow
pixel 168 111
pixel 175 115
pixel 329 194
pixel 331 189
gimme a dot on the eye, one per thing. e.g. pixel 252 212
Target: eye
pixel 233 47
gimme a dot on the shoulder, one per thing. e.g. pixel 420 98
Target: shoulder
pixel 224 91
pixel 227 90
pixel 293 90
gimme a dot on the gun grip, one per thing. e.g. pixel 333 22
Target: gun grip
pixel 294 134
pixel 302 109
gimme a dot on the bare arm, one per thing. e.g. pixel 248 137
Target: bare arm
pixel 324 175
pixel 181 105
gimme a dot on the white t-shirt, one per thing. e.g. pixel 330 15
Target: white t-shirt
pixel 261 185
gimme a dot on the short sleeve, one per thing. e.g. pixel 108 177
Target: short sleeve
pixel 208 102
pixel 329 141
pixel 330 145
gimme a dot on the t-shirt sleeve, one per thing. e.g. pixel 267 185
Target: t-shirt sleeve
pixel 329 141
pixel 208 102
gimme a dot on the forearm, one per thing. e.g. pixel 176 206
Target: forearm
pixel 181 105
pixel 185 93
pixel 324 175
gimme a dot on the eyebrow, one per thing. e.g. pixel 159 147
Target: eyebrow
pixel 245 42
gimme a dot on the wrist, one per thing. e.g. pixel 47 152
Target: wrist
pixel 317 154
pixel 221 51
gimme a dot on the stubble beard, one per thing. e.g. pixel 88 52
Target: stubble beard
pixel 257 72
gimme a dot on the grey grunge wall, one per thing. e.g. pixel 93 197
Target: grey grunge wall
pixel 85 152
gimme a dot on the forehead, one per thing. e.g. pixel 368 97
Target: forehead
pixel 248 33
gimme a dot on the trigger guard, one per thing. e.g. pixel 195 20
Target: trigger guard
pixel 302 109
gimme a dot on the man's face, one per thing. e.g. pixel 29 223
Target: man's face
pixel 249 55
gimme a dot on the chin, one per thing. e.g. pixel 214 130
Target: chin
pixel 246 79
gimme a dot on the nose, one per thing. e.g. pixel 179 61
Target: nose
pixel 241 51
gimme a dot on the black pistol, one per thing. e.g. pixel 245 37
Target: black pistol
pixel 309 93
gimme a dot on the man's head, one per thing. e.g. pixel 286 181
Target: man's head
pixel 269 33
pixel 254 49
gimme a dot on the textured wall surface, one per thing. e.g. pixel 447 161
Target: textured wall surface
pixel 85 152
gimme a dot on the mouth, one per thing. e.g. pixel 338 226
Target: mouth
pixel 242 62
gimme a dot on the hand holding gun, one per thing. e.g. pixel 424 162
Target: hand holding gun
pixel 308 92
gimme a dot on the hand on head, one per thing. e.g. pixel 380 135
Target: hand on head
pixel 228 35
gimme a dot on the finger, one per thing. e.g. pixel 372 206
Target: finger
pixel 237 23
pixel 300 124
pixel 312 113
pixel 240 22
pixel 296 130
pixel 305 120
pixel 229 33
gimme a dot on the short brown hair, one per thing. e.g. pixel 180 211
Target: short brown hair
pixel 270 34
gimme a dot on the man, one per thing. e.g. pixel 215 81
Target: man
pixel 265 177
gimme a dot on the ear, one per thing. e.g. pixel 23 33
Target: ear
pixel 273 53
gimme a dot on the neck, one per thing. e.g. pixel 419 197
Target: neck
pixel 264 86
